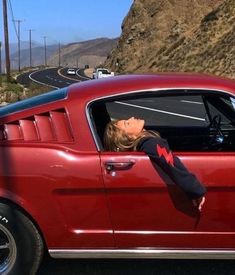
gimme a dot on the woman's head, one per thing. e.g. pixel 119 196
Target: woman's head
pixel 132 127
pixel 123 135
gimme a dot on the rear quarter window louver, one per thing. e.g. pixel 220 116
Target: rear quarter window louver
pixel 51 126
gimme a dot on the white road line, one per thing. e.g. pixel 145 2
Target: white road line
pixel 85 77
pixel 41 83
pixel 59 73
pixel 159 111
pixel 194 102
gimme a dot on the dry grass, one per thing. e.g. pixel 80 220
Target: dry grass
pixel 195 36
pixel 12 91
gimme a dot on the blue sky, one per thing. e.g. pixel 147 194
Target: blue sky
pixel 66 21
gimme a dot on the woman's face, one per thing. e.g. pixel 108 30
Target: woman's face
pixel 132 126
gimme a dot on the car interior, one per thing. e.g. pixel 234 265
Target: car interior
pixel 213 131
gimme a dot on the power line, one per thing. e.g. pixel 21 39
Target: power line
pixel 18 32
pixel 13 18
pixel 45 50
pixel 59 54
pixel 30 47
pixel 0 63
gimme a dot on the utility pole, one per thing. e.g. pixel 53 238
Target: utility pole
pixel 0 63
pixel 45 50
pixel 7 54
pixel 18 36
pixel 30 48
pixel 59 55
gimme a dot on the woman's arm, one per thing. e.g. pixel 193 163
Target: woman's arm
pixel 158 150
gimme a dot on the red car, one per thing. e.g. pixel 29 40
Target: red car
pixel 61 191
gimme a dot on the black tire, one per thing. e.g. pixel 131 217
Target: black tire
pixel 21 246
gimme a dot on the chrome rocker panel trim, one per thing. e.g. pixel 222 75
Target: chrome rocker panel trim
pixel 142 253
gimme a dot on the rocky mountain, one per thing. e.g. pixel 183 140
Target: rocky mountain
pixel 177 35
pixel 92 52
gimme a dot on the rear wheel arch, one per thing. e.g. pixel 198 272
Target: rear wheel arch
pixel 21 242
pixel 25 213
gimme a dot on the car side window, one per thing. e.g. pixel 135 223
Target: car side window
pixel 162 111
pixel 232 100
pixel 181 119
pixel 191 122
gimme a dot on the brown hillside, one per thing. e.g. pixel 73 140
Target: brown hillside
pixel 92 52
pixel 210 49
pixel 177 35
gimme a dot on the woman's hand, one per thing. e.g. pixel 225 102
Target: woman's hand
pixel 199 203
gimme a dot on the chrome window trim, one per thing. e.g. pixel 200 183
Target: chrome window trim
pixel 140 91
pixel 142 253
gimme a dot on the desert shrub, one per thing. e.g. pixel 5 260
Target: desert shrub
pixel 212 16
pixel 175 45
pixel 153 64
pixel 14 88
pixel 36 89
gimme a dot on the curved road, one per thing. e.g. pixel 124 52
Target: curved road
pixel 53 77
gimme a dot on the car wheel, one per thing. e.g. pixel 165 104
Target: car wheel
pixel 21 246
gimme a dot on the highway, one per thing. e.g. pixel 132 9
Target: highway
pixel 161 111
pixel 53 77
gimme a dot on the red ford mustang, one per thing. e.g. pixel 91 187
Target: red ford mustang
pixel 61 191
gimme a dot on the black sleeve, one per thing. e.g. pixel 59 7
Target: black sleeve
pixel 158 151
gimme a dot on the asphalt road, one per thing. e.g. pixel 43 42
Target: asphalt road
pixel 161 111
pixel 137 267
pixel 53 77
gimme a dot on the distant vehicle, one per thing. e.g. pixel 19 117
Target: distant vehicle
pixel 71 71
pixel 86 66
pixel 102 73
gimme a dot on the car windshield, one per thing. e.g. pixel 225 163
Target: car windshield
pixel 104 71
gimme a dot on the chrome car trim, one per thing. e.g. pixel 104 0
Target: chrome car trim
pixel 142 253
pixel 148 232
pixel 141 91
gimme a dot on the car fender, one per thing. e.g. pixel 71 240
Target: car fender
pixel 12 199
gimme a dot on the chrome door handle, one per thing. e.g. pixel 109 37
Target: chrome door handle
pixel 112 165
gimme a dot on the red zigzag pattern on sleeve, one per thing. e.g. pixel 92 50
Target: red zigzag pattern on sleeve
pixel 167 156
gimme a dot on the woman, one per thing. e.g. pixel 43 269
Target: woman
pixel 130 135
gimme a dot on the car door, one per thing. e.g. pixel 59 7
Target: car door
pixel 146 208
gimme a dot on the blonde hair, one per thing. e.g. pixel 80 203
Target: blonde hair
pixel 116 139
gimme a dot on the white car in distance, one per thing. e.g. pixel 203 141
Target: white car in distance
pixel 71 71
pixel 102 73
